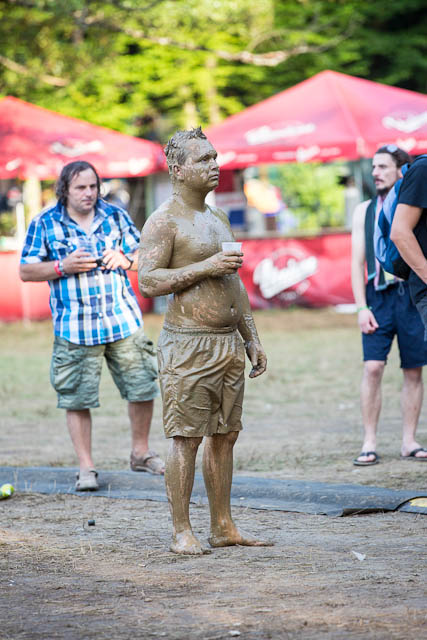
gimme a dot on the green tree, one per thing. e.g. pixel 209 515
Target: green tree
pixel 312 193
pixel 145 67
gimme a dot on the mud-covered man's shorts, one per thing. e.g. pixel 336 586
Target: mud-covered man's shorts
pixel 76 370
pixel 201 374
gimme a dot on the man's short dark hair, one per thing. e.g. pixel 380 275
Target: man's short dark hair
pixel 67 174
pixel 400 157
pixel 176 148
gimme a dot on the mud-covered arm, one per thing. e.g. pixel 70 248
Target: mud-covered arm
pixel 155 278
pixel 248 331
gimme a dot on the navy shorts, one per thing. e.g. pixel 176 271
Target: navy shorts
pixel 396 316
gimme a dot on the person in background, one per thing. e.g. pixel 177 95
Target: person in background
pixel 385 310
pixel 84 247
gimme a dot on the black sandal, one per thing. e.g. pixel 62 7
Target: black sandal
pixel 368 463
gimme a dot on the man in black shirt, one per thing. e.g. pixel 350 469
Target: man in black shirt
pixel 409 232
pixel 411 218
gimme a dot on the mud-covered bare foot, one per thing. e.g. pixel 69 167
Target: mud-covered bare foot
pixel 230 536
pixel 187 544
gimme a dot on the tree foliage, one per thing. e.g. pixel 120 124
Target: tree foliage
pixel 312 193
pixel 145 67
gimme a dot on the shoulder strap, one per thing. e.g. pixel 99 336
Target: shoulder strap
pixel 369 239
pixel 371 262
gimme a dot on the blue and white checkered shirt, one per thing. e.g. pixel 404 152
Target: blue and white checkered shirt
pixel 98 306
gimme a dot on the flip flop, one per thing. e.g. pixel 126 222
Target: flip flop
pixel 368 463
pixel 413 455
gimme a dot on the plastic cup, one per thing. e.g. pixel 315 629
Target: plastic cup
pixel 232 246
pixel 91 246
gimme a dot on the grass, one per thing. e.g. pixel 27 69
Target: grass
pixel 301 418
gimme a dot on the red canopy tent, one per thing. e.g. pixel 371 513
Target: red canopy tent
pixel 330 116
pixel 36 142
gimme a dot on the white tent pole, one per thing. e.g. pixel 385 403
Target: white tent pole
pixel 32 196
pixel 20 236
pixel 20 223
pixel 358 177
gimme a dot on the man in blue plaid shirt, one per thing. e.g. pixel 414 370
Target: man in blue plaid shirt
pixel 83 247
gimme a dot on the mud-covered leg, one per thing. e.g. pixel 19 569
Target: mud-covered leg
pixel 218 475
pixel 179 478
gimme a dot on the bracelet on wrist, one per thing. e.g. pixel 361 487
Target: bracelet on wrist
pixel 59 268
pixel 56 267
pixel 362 308
pixel 130 263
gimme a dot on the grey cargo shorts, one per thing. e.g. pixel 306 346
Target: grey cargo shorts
pixel 76 370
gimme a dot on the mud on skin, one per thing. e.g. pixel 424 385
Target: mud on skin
pixel 180 254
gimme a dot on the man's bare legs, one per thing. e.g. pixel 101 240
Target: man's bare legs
pixel 411 403
pixel 140 416
pixel 370 398
pixel 179 478
pixel 218 475
pixel 79 423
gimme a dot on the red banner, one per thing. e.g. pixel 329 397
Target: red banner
pixel 278 272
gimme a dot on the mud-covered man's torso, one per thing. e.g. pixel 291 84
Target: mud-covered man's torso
pixel 181 250
pixel 212 302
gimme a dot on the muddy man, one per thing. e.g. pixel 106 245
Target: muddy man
pixel 201 354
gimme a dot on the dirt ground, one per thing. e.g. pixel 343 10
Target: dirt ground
pixel 355 577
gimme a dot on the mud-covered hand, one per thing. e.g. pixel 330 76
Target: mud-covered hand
pixel 224 263
pixel 256 355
